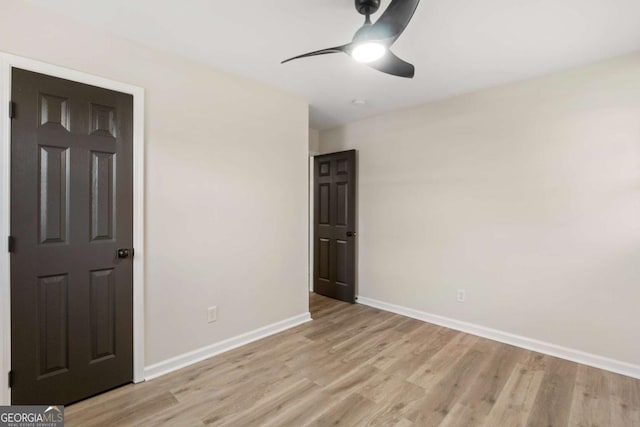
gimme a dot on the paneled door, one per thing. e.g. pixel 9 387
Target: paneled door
pixel 335 225
pixel 72 235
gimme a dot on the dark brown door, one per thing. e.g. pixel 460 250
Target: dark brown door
pixel 335 225
pixel 71 210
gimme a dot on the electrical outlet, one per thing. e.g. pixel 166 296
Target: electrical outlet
pixel 212 314
pixel 461 295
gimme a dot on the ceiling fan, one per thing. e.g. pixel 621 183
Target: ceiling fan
pixel 372 42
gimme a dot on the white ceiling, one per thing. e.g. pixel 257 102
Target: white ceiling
pixel 457 46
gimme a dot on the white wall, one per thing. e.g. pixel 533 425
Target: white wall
pixel 226 183
pixel 527 196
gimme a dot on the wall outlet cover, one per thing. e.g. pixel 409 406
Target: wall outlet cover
pixel 212 314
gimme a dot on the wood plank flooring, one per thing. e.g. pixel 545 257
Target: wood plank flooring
pixel 356 366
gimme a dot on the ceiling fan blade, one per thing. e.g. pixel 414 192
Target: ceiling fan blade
pixel 393 65
pixel 394 20
pixel 337 49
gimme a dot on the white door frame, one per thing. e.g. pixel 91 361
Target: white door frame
pixel 7 62
pixel 312 230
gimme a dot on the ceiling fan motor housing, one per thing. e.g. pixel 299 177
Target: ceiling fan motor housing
pixel 367 7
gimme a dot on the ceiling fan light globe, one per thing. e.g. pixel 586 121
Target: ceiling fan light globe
pixel 368 52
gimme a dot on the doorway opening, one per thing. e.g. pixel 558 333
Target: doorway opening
pixel 53 226
pixel 333 226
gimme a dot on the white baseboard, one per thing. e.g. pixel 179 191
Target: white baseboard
pixel 186 359
pixel 573 355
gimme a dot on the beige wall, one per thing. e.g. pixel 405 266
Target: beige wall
pixel 527 196
pixel 314 141
pixel 226 183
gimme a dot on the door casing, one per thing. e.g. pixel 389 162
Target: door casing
pixel 312 230
pixel 7 62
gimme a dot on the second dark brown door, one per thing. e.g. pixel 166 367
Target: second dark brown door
pixel 71 210
pixel 335 225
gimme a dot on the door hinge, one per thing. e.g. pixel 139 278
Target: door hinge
pixel 12 109
pixel 10 379
pixel 11 244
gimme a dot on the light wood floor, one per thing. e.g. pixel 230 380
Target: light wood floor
pixel 355 365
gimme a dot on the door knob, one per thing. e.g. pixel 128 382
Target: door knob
pixel 351 234
pixel 123 253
